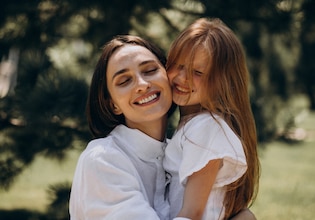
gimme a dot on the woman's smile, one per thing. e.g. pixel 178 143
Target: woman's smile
pixel 138 85
pixel 148 99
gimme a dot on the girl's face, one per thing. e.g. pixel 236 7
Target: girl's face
pixel 138 85
pixel 183 95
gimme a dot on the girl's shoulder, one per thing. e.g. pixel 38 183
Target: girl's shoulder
pixel 206 119
pixel 206 123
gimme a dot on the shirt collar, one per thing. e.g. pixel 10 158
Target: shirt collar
pixel 146 147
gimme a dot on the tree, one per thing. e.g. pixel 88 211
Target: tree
pixel 306 68
pixel 270 32
pixel 58 42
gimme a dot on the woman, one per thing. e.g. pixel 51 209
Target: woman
pixel 119 175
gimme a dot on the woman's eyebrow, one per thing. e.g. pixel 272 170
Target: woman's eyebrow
pixel 146 62
pixel 119 72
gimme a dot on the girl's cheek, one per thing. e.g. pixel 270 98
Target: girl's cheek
pixel 171 74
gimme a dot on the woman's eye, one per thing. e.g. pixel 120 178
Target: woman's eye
pixel 152 70
pixel 123 81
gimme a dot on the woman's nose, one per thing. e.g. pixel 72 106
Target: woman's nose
pixel 142 84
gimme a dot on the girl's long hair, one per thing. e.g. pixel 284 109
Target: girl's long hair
pixel 225 86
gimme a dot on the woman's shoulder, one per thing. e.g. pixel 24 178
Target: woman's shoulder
pixel 99 143
pixel 105 153
pixel 102 148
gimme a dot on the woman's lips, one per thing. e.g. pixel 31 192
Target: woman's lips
pixel 148 98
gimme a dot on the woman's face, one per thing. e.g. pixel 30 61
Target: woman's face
pixel 183 95
pixel 138 85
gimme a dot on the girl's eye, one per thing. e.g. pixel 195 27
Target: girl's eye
pixel 180 67
pixel 198 73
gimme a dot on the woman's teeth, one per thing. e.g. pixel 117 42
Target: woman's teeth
pixel 148 99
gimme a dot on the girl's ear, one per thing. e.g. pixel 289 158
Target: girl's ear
pixel 115 108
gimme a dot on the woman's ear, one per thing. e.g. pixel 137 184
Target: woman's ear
pixel 115 108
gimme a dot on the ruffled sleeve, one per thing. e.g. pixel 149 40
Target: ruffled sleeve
pixel 204 139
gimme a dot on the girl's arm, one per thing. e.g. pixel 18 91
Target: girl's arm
pixel 197 190
pixel 245 214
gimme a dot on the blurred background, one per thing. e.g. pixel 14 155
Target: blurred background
pixel 49 48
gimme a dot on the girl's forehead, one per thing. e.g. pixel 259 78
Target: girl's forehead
pixel 198 57
pixel 201 58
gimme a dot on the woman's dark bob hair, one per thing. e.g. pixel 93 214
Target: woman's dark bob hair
pixel 100 116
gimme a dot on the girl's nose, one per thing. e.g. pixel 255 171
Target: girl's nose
pixel 182 73
pixel 142 84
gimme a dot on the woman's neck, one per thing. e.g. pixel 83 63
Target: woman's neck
pixel 155 129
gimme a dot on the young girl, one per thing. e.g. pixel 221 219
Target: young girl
pixel 212 157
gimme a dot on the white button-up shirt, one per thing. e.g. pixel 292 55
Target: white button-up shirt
pixel 120 177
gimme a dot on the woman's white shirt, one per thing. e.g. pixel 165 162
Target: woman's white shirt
pixel 120 177
pixel 197 142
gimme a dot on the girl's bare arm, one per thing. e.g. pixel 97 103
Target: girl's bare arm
pixel 245 214
pixel 197 190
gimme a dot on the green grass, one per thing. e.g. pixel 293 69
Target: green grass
pixel 287 185
pixel 287 189
pixel 30 189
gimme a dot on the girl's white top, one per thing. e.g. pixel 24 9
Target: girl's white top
pixel 120 177
pixel 197 142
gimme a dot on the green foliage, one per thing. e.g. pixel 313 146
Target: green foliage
pixel 60 195
pixel 57 44
pixel 21 214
